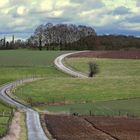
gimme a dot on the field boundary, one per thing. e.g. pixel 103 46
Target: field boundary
pixel 7 125
pixel 115 138
pixel 34 131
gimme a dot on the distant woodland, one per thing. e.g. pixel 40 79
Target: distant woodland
pixel 71 37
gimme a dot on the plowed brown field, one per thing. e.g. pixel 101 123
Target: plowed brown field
pixel 130 54
pixel 121 128
pixel 73 128
pixel 92 128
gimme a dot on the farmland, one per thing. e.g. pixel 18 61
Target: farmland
pixel 27 58
pixel 91 127
pixel 73 128
pixel 5 118
pixel 120 54
pixel 114 91
pixel 20 64
pixel 121 128
pixel 130 107
pixel 106 93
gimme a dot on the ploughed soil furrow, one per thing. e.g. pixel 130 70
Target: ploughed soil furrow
pixel 114 137
pixel 64 127
pixel 73 128
pixel 120 128
pixel 121 54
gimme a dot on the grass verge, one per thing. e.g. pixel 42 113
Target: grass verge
pixel 5 118
pixel 20 64
pixel 117 80
pixel 23 132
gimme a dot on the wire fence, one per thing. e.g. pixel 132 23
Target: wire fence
pixel 104 112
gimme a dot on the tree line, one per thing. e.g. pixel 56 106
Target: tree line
pixel 117 42
pixel 105 42
pixel 59 35
pixel 71 37
pixel 13 44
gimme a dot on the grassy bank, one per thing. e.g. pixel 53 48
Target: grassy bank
pixel 17 64
pixel 5 118
pixel 73 90
pixel 117 79
pixel 130 107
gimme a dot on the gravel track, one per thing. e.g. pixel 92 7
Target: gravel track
pixel 60 65
pixel 35 131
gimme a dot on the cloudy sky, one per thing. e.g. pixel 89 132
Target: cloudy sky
pixel 21 17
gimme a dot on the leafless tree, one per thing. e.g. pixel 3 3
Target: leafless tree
pixel 59 34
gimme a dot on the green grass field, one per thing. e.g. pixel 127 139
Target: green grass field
pixel 18 64
pixel 115 68
pixel 78 90
pixel 27 58
pixel 5 115
pixel 117 79
pixel 129 107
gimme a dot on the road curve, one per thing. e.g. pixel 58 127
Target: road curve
pixel 60 65
pixel 35 131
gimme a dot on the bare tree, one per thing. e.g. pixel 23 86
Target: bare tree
pixel 60 34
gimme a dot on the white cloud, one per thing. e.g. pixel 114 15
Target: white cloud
pixel 25 15
pixel 56 13
pixel 62 3
pixel 3 3
pixel 5 11
pixel 17 23
pixel 130 26
pixel 21 10
pixel 46 5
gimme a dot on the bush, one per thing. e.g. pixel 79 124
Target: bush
pixel 93 69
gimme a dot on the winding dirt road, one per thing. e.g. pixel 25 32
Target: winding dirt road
pixel 60 65
pixel 35 131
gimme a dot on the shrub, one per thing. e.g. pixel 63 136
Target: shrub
pixel 93 69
